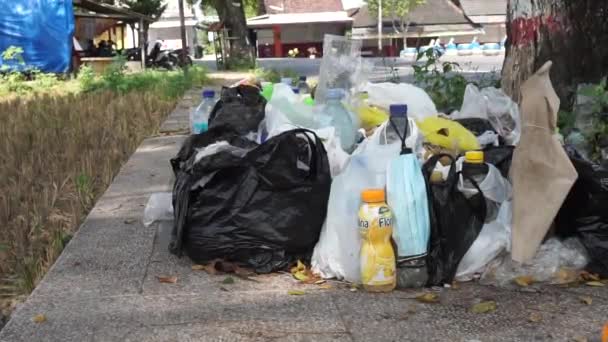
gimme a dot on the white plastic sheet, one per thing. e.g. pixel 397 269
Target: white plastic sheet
pixel 158 208
pixel 418 101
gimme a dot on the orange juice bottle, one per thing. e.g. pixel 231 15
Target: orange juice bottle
pixel 377 254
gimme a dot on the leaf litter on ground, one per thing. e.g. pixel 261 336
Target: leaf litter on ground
pixel 296 292
pixel 167 279
pixel 484 307
pixel 595 283
pixel 39 318
pixel 428 297
pixel 219 267
pixel 535 317
pixel 524 281
pixel 586 299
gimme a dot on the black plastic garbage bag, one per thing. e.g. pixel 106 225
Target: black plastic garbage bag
pixel 477 126
pixel 455 223
pixel 585 211
pixel 241 108
pixel 262 207
pixel 499 156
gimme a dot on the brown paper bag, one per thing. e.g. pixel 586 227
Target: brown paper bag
pixel 541 171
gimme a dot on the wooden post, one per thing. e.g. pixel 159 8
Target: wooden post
pixel 142 44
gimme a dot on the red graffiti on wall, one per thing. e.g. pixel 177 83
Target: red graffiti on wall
pixel 524 31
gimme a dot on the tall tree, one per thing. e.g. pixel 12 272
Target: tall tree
pixel 571 33
pixel 399 12
pixel 232 14
pixel 151 8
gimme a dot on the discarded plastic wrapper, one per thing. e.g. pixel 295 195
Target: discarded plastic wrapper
pixel 541 171
pixel 552 263
pixel 494 105
pixel 158 208
pixel 447 133
pixel 336 255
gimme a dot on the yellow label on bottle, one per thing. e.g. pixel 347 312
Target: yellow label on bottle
pixel 377 254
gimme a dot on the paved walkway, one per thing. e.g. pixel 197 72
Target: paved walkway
pixel 104 287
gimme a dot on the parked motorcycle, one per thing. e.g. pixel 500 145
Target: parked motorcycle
pixel 157 58
pixel 175 56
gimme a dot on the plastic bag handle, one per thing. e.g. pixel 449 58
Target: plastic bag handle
pixel 314 146
pixel 430 164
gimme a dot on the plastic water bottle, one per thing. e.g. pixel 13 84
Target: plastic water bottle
pixel 303 86
pixel 399 121
pixel 334 114
pixel 199 118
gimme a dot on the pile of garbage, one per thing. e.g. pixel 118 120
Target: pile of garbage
pixel 368 183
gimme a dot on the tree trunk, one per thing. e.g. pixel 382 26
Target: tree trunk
pixel 233 16
pixel 261 7
pixel 573 34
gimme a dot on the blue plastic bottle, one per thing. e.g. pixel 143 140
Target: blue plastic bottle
pixel 334 114
pixel 199 118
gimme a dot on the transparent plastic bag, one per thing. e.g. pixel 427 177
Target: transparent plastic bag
pixel 419 104
pixel 158 208
pixel 494 105
pixel 341 67
pixel 493 240
pixel 553 259
pixel 336 255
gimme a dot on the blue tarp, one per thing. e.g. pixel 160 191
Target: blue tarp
pixel 42 28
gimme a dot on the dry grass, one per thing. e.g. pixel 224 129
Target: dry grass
pixel 57 155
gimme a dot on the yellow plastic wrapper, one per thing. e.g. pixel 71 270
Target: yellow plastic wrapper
pixel 448 134
pixel 371 116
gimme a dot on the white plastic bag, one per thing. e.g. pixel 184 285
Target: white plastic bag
pixel 495 106
pixel 158 208
pixel 493 240
pixel 336 255
pixel 495 235
pixel 418 101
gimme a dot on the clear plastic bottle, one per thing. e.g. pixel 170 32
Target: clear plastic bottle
pixel 377 253
pixel 399 120
pixel 199 117
pixel 303 86
pixel 334 114
pixel 475 168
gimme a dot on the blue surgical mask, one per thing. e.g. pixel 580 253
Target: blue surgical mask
pixel 407 197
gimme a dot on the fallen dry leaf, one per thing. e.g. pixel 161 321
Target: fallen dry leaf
pixel 566 276
pixel 296 292
pixel 224 289
pixel 429 297
pixel 228 280
pixel 319 282
pixel 586 299
pixel 589 276
pixel 580 339
pixel 524 281
pixel 326 286
pixel 39 318
pixel 535 317
pixel 484 307
pixel 304 274
pixel 198 267
pixel 130 221
pixel 167 280
pixel 298 268
pixel 595 283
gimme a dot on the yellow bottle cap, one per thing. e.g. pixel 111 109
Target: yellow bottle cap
pixel 372 195
pixel 474 157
